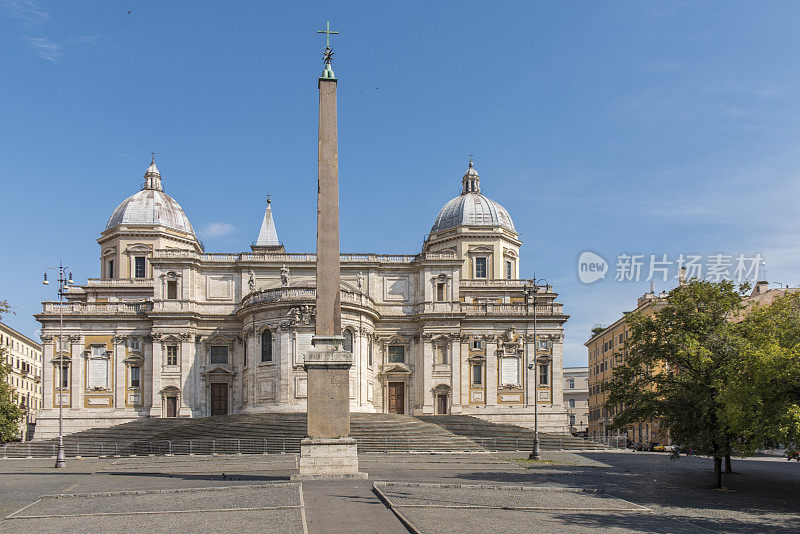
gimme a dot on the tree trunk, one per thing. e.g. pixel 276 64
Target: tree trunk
pixel 728 468
pixel 717 473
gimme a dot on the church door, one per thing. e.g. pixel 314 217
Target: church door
pixel 441 404
pixel 397 398
pixel 172 406
pixel 219 399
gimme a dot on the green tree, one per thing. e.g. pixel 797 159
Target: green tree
pixel 677 365
pixel 10 414
pixel 762 400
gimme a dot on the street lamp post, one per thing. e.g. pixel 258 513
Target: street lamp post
pixel 63 280
pixel 530 290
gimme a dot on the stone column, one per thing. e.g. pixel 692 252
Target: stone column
pixel 491 373
pixel 119 371
pixel 455 376
pixel 155 407
pixel 187 393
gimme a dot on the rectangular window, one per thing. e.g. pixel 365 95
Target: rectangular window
pixel 369 353
pixel 244 353
pixel 480 267
pixel 571 383
pixel 134 343
pixel 219 354
pixel 266 346
pixel 64 376
pixel 477 374
pixel 138 267
pixel 509 269
pixel 476 344
pixel 397 354
pixel 620 337
pixel 172 355
pixel 543 374
pixel 110 273
pixel 544 344
pixel 172 289
pixel 135 376
pixel 441 292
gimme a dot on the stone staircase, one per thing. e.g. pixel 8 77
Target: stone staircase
pixel 506 437
pixel 282 432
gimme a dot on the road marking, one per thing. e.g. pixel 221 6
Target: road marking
pixel 157 512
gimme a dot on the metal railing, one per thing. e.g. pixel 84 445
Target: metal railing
pixel 225 446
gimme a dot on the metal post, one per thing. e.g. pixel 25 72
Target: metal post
pixel 535 455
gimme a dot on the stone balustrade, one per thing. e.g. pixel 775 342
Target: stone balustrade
pixel 97 308
pixel 168 254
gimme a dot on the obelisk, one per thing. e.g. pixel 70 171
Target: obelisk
pixel 328 451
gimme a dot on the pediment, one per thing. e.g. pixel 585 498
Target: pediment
pixel 396 369
pixel 218 370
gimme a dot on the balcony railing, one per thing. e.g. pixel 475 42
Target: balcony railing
pixel 167 254
pixel 97 308
pixel 512 309
pixel 299 294
pixel 120 282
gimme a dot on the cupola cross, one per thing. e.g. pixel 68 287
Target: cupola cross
pixel 328 32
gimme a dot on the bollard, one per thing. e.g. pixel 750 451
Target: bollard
pixel 265 445
pixel 77 450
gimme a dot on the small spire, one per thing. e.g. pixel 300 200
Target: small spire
pixel 152 178
pixel 471 182
pixel 268 236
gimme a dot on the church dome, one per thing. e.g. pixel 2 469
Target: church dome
pixel 151 206
pixel 472 208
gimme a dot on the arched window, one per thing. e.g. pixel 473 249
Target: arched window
pixel 347 346
pixel 266 346
pixel 572 403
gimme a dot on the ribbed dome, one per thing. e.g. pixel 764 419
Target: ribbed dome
pixel 472 208
pixel 151 206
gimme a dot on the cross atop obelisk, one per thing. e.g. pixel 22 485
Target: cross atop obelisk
pixel 327 56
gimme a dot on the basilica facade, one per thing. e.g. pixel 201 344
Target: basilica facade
pixel 170 330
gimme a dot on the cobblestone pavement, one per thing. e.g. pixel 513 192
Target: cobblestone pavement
pixel 764 494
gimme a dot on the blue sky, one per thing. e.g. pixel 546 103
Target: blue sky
pixel 617 127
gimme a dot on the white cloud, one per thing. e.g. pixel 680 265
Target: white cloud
pixel 46 49
pixel 27 11
pixel 218 229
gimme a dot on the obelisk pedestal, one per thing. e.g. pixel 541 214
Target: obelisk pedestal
pixel 328 451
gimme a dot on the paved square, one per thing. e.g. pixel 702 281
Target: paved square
pixel 193 509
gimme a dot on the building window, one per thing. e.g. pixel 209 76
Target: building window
pixel 244 353
pixel 480 267
pixel 620 338
pixel 369 353
pixel 397 354
pixel 172 355
pixel 572 403
pixel 509 269
pixel 347 344
pixel 476 344
pixel 266 346
pixel 219 354
pixel 110 271
pixel 138 267
pixel 172 289
pixel 572 419
pixel 544 344
pixel 441 292
pixel 64 375
pixel 136 376
pixel 571 383
pixel 133 343
pixel 543 374
pixel 477 374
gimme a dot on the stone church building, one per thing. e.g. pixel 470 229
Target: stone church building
pixel 169 330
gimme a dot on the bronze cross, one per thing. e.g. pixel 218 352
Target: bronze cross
pixel 328 32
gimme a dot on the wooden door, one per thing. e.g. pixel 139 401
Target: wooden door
pixel 441 404
pixel 172 406
pixel 219 399
pixel 397 397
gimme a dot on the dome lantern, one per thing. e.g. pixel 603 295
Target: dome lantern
pixel 472 208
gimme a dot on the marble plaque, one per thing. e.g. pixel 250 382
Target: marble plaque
pixel 301 387
pixel 219 287
pixel 395 288
pixel 509 371
pixel 98 373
